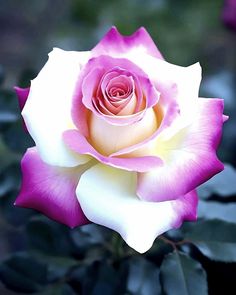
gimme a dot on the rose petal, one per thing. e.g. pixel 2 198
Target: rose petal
pixel 186 80
pixel 109 139
pixel 107 197
pixel 115 44
pixel 47 112
pixel 92 74
pixel 225 118
pixel 124 83
pixel 129 107
pixel 50 190
pixel 79 143
pixel 189 157
pixel 167 110
pixel 96 101
pixel 22 95
pixel 179 88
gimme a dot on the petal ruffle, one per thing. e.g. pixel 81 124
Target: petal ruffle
pixel 110 139
pixel 50 190
pixel 178 88
pixel 115 44
pixel 107 197
pixel 78 143
pixel 47 112
pixel 189 157
pixel 186 81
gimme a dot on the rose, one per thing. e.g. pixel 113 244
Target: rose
pixel 122 139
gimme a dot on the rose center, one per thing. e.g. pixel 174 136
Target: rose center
pixel 117 91
pixel 119 87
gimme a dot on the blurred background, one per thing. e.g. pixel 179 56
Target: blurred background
pixel 41 257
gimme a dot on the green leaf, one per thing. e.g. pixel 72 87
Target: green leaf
pixel 7 183
pixel 10 179
pixel 2 74
pixel 217 210
pixel 22 272
pixel 222 184
pixel 9 110
pixel 90 234
pixel 143 277
pixel 25 77
pixel 17 139
pixel 58 289
pixel 101 277
pixel 216 239
pixel 44 235
pixel 58 266
pixel 7 157
pixel 181 275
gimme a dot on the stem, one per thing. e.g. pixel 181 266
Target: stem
pixel 174 244
pixel 183 242
pixel 167 241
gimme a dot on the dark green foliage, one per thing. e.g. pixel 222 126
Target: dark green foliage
pixel 143 277
pixel 181 275
pixel 214 238
pixel 21 272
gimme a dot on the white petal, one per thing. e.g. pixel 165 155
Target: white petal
pixel 47 112
pixel 107 197
pixel 187 80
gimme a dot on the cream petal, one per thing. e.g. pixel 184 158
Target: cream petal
pixel 108 139
pixel 51 190
pixel 189 157
pixel 186 79
pixel 47 112
pixel 129 108
pixel 107 197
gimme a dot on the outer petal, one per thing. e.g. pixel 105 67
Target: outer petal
pixel 189 157
pixel 107 197
pixel 47 112
pixel 114 44
pixel 178 87
pixel 50 190
pixel 22 94
pixel 79 143
pixel 167 110
pixel 185 79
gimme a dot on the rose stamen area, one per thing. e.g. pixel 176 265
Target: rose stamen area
pixel 116 91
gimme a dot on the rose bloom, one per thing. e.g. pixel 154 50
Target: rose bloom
pixel 121 139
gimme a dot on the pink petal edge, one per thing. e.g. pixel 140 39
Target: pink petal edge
pixel 185 208
pixel 114 43
pixel 78 143
pixel 196 155
pixel 22 95
pixel 50 190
